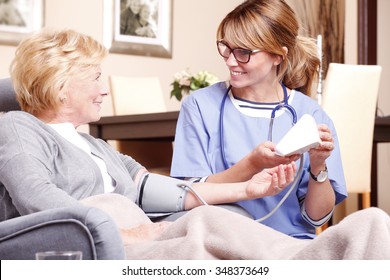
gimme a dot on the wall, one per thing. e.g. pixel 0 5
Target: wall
pixel 194 27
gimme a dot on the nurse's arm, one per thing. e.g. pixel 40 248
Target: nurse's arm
pixel 263 156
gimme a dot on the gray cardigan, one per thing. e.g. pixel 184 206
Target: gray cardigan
pixel 62 173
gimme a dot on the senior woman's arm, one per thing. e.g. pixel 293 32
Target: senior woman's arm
pixel 163 194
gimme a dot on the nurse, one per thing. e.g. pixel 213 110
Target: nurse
pixel 223 130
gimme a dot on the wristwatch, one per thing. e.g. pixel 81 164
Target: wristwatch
pixel 320 177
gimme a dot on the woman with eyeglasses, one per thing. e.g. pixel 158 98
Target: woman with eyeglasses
pixel 223 130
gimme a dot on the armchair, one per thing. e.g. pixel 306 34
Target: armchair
pixel 81 228
pixel 7 96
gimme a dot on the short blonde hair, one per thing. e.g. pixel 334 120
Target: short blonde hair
pixel 46 61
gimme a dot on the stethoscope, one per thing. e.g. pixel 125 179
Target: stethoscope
pixel 281 106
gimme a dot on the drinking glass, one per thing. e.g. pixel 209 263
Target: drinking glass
pixel 59 255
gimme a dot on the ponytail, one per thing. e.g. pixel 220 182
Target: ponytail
pixel 301 68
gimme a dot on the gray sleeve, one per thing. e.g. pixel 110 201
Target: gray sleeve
pixel 131 165
pixel 30 187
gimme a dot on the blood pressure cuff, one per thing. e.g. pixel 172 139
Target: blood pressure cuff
pixel 161 194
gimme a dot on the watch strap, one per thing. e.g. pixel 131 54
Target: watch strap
pixel 315 177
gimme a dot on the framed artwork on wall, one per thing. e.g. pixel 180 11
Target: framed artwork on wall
pixel 138 27
pixel 18 18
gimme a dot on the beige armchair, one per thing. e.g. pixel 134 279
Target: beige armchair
pixel 141 95
pixel 350 98
pixel 136 95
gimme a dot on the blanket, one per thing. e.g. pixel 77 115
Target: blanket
pixel 210 232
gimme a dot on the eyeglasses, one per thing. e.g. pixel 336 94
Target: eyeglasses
pixel 241 55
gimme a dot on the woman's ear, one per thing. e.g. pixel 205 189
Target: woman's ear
pixel 285 50
pixel 280 58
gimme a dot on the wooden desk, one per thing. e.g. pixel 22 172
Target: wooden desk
pixel 146 137
pixel 156 126
pixel 381 135
pixel 382 130
pixel 162 127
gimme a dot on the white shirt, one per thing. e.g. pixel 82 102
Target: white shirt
pixel 68 131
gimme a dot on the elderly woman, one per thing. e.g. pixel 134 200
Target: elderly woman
pixel 45 162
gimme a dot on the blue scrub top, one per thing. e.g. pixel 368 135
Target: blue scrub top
pixel 197 149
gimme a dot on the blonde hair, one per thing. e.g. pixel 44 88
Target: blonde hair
pixel 46 61
pixel 270 25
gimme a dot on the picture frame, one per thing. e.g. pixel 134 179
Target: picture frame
pixel 122 32
pixel 19 18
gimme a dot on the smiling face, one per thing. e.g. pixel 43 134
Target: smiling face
pixel 270 26
pixel 260 70
pixel 56 73
pixel 135 6
pixel 145 12
pixel 82 99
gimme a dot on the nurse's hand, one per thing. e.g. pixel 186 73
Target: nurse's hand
pixel 319 154
pixel 271 181
pixel 264 156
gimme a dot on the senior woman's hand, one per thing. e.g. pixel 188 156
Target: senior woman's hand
pixel 271 181
pixel 143 233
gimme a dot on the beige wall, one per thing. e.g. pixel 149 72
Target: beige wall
pixel 194 27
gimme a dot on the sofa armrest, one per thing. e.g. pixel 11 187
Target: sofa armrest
pixel 8 100
pixel 80 228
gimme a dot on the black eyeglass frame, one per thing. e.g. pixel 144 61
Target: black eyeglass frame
pixel 250 52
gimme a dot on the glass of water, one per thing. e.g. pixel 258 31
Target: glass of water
pixel 59 255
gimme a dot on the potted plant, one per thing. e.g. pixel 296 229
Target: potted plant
pixel 184 82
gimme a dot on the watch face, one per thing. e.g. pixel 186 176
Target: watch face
pixel 322 176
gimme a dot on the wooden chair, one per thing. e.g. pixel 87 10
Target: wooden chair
pixel 141 95
pixel 136 95
pixel 350 97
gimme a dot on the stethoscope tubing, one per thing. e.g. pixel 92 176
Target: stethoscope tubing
pixel 283 105
pixel 280 106
pixel 221 114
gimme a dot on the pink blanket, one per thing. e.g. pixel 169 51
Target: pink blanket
pixel 209 232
